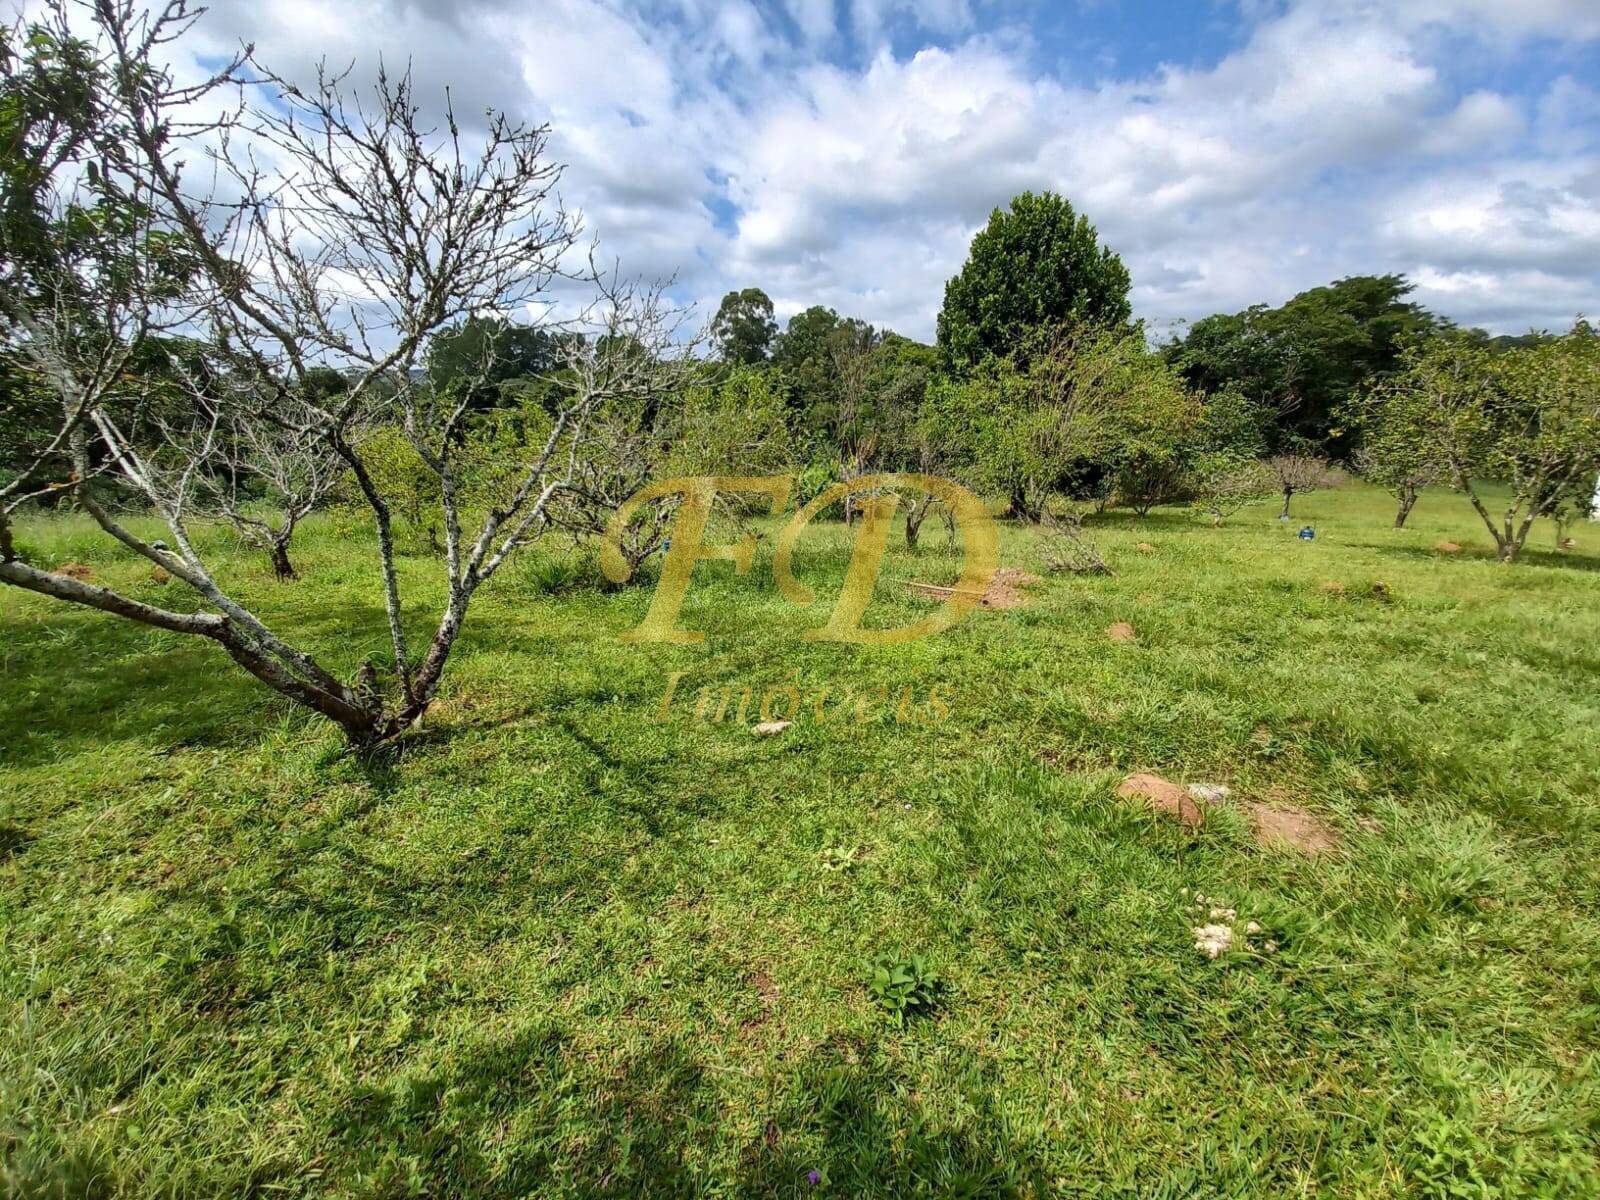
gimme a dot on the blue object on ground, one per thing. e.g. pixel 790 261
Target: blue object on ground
pixel 1307 533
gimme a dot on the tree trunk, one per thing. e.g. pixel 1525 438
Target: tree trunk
pixel 282 568
pixel 1284 515
pixel 359 721
pixel 1408 498
pixel 914 517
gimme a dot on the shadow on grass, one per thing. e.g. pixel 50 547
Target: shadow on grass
pixel 1530 557
pixel 533 1113
pixel 186 696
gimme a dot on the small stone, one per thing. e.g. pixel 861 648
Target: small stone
pixel 1270 947
pixel 1223 914
pixel 1253 927
pixel 771 728
pixel 1210 793
pixel 1213 940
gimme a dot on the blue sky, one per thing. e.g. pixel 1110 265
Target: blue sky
pixel 844 151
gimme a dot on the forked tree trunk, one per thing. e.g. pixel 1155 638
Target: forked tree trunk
pixel 1408 498
pixel 1287 493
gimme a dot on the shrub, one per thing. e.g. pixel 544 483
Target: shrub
pixel 904 986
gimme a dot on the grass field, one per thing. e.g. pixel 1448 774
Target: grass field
pixel 552 946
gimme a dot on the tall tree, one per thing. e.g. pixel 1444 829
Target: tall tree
pixel 743 328
pixel 1305 359
pixel 489 352
pixel 1037 264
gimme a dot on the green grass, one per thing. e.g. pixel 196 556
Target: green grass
pixel 552 947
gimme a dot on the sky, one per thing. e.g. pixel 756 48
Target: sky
pixel 844 152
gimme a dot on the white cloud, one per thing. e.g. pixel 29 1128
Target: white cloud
pixel 1340 137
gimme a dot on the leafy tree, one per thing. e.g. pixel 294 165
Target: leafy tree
pixel 482 354
pixel 1304 360
pixel 1037 265
pixel 1528 418
pixel 1391 455
pixel 1151 424
pixel 810 352
pixel 1225 482
pixel 743 328
pixel 1026 426
pixel 804 340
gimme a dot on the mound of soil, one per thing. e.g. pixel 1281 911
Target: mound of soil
pixel 1292 827
pixel 1004 590
pixel 1121 632
pixel 1163 797
pixel 75 570
pixel 1448 547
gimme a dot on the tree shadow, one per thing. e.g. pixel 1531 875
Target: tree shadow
pixel 855 1122
pixel 535 1112
pixel 532 1115
pixel 1530 557
pixel 186 696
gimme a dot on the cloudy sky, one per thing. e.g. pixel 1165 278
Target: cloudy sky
pixel 843 152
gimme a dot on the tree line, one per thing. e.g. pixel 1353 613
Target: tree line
pixel 1041 387
pixel 189 334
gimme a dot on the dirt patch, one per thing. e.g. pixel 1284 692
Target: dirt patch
pixel 1333 588
pixel 1144 548
pixel 1121 632
pixel 1448 547
pixel 1004 590
pixel 765 988
pixel 1163 797
pixel 1292 827
pixel 75 570
pixel 159 575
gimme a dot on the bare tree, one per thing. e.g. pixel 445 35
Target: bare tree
pixel 636 420
pixel 374 233
pixel 1296 474
pixel 292 470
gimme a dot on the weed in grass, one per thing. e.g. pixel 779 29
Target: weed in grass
pixel 904 986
